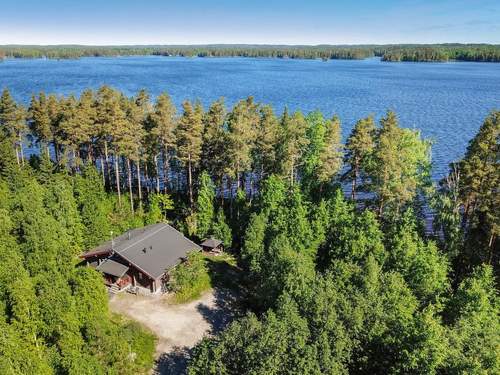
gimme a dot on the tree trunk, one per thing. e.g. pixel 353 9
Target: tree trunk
pixel 117 178
pixel 17 155
pixel 75 163
pixel 222 192
pixel 139 187
pixel 78 155
pixel 251 189
pixel 103 174
pixel 90 153
pixel 230 187
pixel 354 182
pixel 157 174
pixel 190 183
pixel 147 178
pixel 381 208
pixel 165 170
pixel 491 248
pixel 56 150
pixel 108 174
pixel 129 174
pixel 21 150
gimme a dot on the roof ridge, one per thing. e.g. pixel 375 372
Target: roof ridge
pixel 140 240
pixel 182 234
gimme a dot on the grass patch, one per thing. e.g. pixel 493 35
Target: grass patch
pixel 140 342
pixel 201 272
pixel 223 271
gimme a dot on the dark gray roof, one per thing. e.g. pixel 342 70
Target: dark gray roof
pixel 113 268
pixel 211 243
pixel 152 249
pixel 155 248
pixel 106 247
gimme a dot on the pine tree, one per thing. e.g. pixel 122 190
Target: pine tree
pixel 109 116
pixel 54 112
pixel 400 166
pixel 189 141
pixel 241 123
pixel 73 131
pixel 87 117
pixel 137 110
pixel 13 123
pixel 293 143
pixel 40 124
pixel 331 156
pixel 266 139
pixel 163 130
pixel 359 148
pixel 214 157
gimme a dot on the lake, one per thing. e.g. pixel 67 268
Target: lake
pixel 446 101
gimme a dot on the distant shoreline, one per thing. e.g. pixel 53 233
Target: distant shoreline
pixel 390 53
pixel 245 57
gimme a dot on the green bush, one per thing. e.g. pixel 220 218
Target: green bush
pixel 190 279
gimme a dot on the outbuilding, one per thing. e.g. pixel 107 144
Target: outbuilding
pixel 212 245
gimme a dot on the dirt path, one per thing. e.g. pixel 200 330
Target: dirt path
pixel 178 327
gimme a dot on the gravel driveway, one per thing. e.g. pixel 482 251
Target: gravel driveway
pixel 178 327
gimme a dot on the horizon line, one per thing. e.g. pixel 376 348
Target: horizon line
pixel 245 44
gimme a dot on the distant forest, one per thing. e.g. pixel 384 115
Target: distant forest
pixel 395 52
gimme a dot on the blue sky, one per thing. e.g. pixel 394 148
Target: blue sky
pixel 107 22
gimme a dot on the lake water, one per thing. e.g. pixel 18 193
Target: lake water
pixel 446 101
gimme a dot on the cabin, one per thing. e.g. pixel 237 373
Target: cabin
pixel 140 259
pixel 212 245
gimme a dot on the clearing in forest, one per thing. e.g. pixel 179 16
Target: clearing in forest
pixel 179 327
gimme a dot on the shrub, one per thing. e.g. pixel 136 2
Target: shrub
pixel 190 279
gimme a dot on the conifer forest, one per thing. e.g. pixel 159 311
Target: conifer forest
pixel 354 260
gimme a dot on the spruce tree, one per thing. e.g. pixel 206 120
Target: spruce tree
pixel 205 211
pixel 479 178
pixel 221 230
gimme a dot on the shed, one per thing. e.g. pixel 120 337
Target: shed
pixel 212 245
